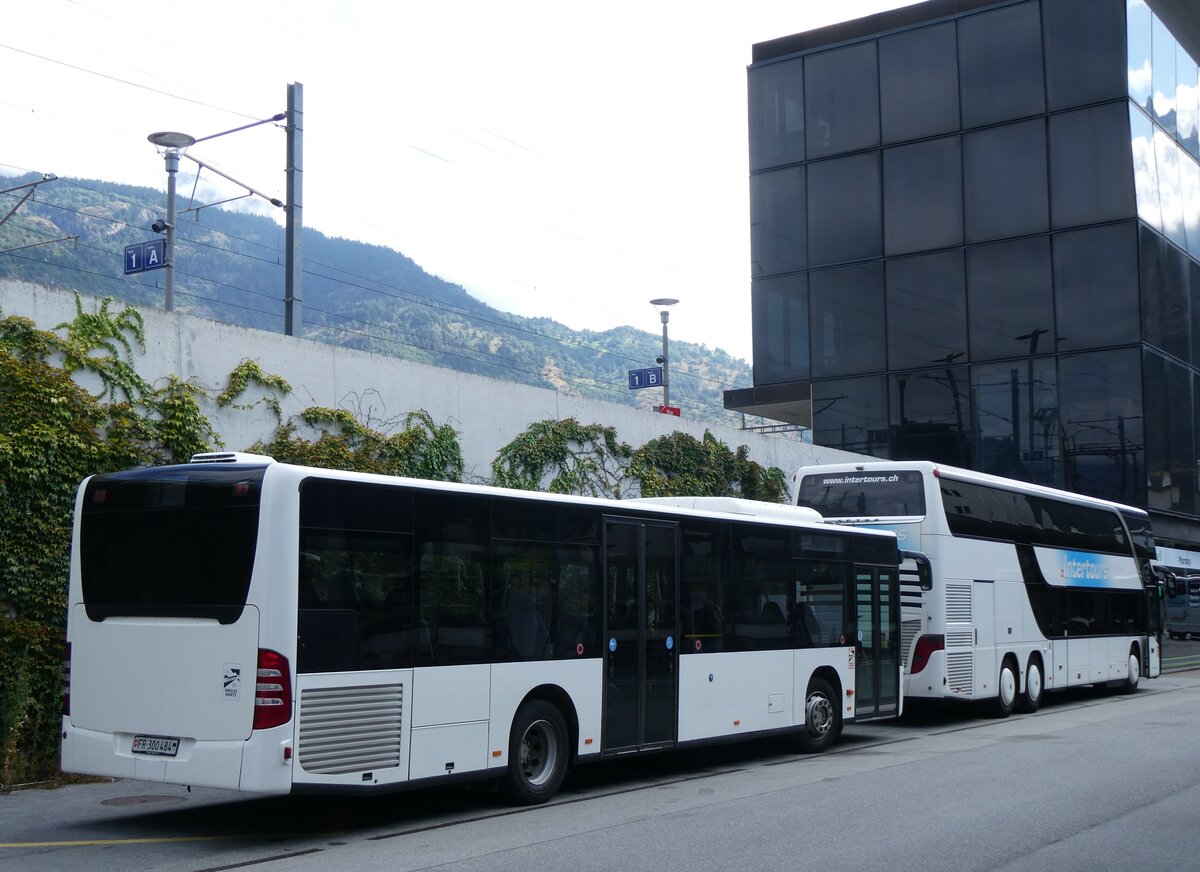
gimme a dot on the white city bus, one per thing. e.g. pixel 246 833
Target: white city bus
pixel 1032 588
pixel 240 623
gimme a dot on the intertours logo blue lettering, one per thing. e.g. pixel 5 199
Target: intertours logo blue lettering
pixel 1087 570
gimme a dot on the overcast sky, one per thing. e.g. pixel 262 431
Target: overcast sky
pixel 557 159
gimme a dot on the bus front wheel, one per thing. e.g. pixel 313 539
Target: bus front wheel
pixel 1134 672
pixel 822 717
pixel 537 753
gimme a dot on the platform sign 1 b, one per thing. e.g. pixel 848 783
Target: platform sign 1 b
pixel 145 255
pixel 651 377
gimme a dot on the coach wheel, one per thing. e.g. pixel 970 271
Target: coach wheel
pixel 537 753
pixel 822 717
pixel 1130 684
pixel 1031 698
pixel 1006 691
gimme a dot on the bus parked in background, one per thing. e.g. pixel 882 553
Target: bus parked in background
pixel 240 623
pixel 1033 589
pixel 1181 581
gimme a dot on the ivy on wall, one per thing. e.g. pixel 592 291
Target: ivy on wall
pixel 588 460
pixel 678 464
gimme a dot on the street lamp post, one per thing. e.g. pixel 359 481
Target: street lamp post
pixel 663 305
pixel 171 142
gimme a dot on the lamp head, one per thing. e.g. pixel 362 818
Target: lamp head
pixel 159 225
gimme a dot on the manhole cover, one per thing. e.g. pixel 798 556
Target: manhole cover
pixel 150 799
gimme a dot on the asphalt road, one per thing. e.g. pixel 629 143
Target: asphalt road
pixel 1093 781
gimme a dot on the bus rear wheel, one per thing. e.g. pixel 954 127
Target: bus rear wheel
pixel 822 717
pixel 537 753
pixel 1006 691
pixel 1031 698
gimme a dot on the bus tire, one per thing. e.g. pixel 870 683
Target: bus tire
pixel 537 753
pixel 1031 697
pixel 822 717
pixel 1006 690
pixel 1134 672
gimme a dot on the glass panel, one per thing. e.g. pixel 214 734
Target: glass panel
pixel 780 318
pixel 1096 287
pixel 866 641
pixel 1010 298
pixel 922 196
pixel 1016 420
pixel 918 83
pixel 778 232
pixel 1162 104
pixel 1170 189
pixel 851 414
pixel 1091 171
pixel 761 599
pixel 845 212
pixel 705 599
pixel 841 90
pixel 1000 65
pixel 776 103
pixel 1145 168
pixel 847 327
pixel 1005 187
pixel 1170 456
pixel 1189 177
pixel 926 309
pixel 931 412
pixel 546 600
pixel 660 624
pixel 1187 111
pixel 1194 285
pixel 452 570
pixel 1104 443
pixel 1085 42
pixel 1139 25
pixel 1155 296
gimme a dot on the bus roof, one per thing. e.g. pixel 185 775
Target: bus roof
pixel 943 470
pixel 726 508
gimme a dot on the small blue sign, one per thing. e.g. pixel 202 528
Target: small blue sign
pixel 612 644
pixel 670 642
pixel 651 377
pixel 145 256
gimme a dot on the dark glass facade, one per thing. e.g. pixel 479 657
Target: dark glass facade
pixel 976 240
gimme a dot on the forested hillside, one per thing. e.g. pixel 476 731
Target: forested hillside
pixel 229 267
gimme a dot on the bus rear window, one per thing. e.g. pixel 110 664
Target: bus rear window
pixel 888 494
pixel 172 541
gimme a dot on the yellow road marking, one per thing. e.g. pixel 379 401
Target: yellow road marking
pixel 94 842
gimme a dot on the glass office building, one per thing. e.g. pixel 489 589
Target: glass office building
pixel 975 239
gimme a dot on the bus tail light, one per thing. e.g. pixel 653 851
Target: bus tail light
pixel 926 645
pixel 273 690
pixel 66 702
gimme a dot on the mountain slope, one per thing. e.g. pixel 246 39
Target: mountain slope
pixel 229 267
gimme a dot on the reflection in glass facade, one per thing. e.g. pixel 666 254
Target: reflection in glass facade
pixel 976 240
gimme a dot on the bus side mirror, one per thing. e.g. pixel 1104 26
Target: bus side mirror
pixel 924 569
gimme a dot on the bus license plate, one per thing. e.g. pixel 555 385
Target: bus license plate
pixel 162 746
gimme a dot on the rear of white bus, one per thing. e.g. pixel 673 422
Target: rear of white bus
pixel 170 675
pixel 884 497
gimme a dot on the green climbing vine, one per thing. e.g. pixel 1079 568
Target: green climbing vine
pixel 578 459
pixel 246 373
pixel 681 465
pixel 419 448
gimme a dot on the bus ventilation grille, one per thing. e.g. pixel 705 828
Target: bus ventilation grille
pixel 908 632
pixel 350 729
pixel 958 604
pixel 960 672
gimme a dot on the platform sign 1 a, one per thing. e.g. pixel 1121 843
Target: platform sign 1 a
pixel 651 377
pixel 145 256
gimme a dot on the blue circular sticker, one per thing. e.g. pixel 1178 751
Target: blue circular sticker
pixel 612 644
pixel 670 642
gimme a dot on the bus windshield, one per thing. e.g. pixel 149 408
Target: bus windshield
pixel 177 543
pixel 864 494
